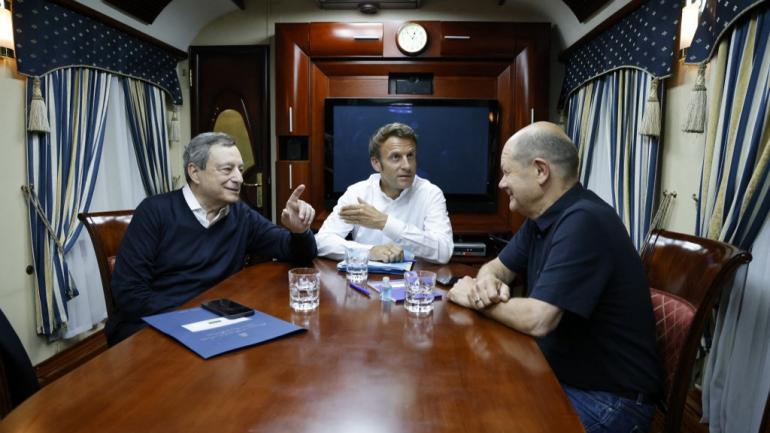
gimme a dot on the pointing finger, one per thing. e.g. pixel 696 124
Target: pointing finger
pixel 296 193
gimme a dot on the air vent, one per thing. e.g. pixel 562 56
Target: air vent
pixel 368 7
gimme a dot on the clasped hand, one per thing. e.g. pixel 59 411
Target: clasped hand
pixel 363 214
pixel 479 293
pixel 388 253
pixel 298 214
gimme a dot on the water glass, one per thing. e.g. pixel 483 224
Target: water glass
pixel 419 291
pixel 357 263
pixel 304 288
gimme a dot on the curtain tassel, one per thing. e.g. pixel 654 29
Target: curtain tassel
pixel 38 116
pixel 174 127
pixel 562 122
pixel 651 118
pixel 696 108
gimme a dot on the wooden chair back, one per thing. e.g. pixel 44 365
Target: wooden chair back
pixel 106 230
pixel 686 275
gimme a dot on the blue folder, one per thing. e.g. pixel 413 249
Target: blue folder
pixel 398 290
pixel 258 328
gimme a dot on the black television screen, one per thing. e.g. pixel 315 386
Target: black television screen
pixel 456 149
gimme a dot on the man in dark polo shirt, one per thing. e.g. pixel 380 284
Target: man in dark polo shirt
pixel 588 300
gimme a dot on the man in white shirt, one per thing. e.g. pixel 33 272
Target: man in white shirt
pixel 391 211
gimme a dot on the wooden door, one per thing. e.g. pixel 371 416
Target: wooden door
pixel 230 94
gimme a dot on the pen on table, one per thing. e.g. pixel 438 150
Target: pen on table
pixel 360 289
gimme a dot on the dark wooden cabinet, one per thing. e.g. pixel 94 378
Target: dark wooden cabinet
pixel 485 40
pixel 504 61
pixel 346 39
pixel 288 176
pixel 292 43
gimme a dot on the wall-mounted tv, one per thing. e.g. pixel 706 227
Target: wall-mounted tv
pixel 456 150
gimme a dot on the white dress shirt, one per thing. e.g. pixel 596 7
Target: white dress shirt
pixel 417 221
pixel 199 212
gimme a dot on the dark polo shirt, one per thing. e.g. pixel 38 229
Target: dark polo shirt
pixel 578 256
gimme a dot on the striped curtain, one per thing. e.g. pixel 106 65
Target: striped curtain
pixel 61 171
pixel 733 207
pixel 603 118
pixel 147 122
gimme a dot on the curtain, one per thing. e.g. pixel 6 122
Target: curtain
pixel 618 163
pixel 50 35
pixel 147 122
pixel 118 186
pixel 61 171
pixel 734 204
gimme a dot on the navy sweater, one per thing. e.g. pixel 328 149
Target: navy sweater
pixel 167 257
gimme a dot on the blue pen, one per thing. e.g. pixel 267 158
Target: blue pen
pixel 360 289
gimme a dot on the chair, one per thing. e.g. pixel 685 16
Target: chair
pixel 686 275
pixel 17 376
pixel 106 230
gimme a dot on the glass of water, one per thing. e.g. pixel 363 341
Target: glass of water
pixel 419 291
pixel 304 288
pixel 357 264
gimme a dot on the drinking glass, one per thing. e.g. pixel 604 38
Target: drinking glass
pixel 357 262
pixel 419 291
pixel 304 289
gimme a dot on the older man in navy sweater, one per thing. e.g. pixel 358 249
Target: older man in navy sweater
pixel 182 243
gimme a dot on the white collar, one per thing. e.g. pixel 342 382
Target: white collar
pixel 200 213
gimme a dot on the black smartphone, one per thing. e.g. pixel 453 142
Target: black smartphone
pixel 227 308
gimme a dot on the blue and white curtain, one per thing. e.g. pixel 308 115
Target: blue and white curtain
pixel 617 162
pixel 50 36
pixel 735 185
pixel 146 113
pixel 734 207
pixel 61 170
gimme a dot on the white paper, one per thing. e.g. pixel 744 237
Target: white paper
pixel 217 322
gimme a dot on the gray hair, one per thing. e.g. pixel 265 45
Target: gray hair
pixel 390 130
pixel 549 142
pixel 197 150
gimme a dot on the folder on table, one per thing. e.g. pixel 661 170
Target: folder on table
pixel 381 268
pixel 398 290
pixel 210 335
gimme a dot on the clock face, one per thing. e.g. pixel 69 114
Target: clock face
pixel 411 38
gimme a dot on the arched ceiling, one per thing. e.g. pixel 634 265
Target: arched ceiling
pixel 179 23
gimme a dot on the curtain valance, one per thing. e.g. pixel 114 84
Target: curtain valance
pixel 715 20
pixel 50 37
pixel 645 40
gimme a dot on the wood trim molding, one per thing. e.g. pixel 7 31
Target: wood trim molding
pixel 623 12
pixel 104 19
pixel 71 358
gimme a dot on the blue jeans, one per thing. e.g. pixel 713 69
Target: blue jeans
pixel 606 412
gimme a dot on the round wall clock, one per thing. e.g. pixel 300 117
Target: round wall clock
pixel 411 38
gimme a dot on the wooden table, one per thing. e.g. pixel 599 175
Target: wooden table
pixel 362 366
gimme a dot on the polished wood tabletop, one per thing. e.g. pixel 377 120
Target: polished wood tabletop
pixel 362 366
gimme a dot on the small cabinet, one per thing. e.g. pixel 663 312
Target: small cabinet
pixel 292 79
pixel 346 39
pixel 478 39
pixel 289 175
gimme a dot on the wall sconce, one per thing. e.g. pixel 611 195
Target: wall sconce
pixel 688 26
pixel 6 29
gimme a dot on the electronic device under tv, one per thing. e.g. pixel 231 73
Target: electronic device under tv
pixel 456 150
